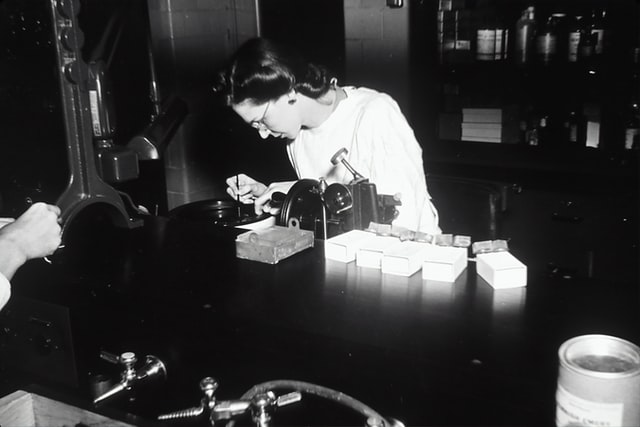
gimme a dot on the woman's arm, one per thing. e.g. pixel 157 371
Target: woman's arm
pixel 393 158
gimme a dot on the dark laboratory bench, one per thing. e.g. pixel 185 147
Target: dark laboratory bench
pixel 426 353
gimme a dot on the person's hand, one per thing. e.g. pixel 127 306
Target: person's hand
pixel 248 190
pixel 36 233
pixel 263 203
pixel 244 188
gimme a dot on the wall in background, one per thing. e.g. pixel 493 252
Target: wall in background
pixel 377 47
pixel 192 39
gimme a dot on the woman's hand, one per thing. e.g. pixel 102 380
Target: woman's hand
pixel 244 188
pixel 263 203
pixel 247 190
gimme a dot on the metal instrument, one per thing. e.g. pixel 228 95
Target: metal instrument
pixel 261 402
pixel 333 209
pixel 260 406
pixel 131 377
pixel 85 187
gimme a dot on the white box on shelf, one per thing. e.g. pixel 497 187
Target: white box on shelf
pixel 501 270
pixel 370 252
pixel 404 258
pixel 444 263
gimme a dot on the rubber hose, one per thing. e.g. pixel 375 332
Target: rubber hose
pixel 315 389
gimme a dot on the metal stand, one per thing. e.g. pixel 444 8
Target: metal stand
pixel 85 185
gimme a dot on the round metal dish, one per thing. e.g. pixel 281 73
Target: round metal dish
pixel 227 213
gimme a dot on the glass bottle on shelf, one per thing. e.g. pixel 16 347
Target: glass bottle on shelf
pixel 502 38
pixel 560 20
pixel 598 32
pixel 545 132
pixel 632 108
pixel 525 37
pixel 632 127
pixel 586 46
pixel 573 38
pixel 547 41
pixel 538 131
pixel 574 126
pixel 532 136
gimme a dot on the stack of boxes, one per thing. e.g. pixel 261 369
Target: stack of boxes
pixel 490 125
pixel 398 257
pixel 442 259
pixel 457 36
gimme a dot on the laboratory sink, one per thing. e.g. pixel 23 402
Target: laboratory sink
pixel 22 408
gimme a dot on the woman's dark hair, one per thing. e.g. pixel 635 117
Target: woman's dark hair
pixel 261 71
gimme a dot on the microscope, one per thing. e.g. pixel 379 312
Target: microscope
pixel 332 209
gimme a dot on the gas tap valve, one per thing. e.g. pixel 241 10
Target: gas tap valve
pixel 263 404
pixel 208 386
pixel 215 410
pixel 130 377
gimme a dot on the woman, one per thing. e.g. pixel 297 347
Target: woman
pixel 283 96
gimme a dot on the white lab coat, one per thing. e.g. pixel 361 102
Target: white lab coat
pixel 382 147
pixel 5 291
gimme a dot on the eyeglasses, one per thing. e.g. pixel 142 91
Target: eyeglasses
pixel 259 124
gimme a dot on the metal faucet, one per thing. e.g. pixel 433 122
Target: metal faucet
pixel 260 406
pixel 130 377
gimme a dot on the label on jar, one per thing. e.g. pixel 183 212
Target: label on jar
pixel 486 45
pixel 572 410
pixel 463 45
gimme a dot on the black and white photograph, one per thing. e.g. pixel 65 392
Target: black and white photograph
pixel 368 213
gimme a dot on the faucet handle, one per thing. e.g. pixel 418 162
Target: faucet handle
pixel 128 359
pixel 288 399
pixel 208 385
pixel 263 404
pixel 227 409
pixel 109 357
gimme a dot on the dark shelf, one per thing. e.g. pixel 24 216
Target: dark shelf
pixel 571 168
pixel 598 87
